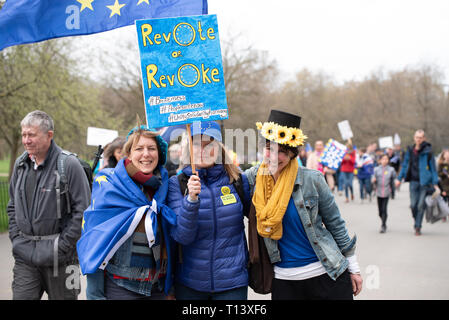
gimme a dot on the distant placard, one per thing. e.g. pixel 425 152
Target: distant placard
pixel 345 130
pixel 100 136
pixel 386 142
pixel 397 139
pixel 333 154
pixel 182 72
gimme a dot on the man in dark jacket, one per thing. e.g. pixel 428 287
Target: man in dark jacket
pixel 419 169
pixel 43 237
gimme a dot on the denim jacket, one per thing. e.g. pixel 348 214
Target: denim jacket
pixel 119 265
pixel 321 219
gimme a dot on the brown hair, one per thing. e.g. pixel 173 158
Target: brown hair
pixel 117 143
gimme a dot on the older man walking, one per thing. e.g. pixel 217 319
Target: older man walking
pixel 44 224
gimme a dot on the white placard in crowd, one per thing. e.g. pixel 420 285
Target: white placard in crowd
pixel 345 130
pixel 99 136
pixel 397 139
pixel 386 142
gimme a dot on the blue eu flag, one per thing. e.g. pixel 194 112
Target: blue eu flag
pixel 26 21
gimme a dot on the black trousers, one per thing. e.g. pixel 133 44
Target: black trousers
pixel 382 204
pixel 30 282
pixel 317 288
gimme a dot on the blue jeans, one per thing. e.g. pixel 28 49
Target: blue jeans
pixel 417 204
pixel 365 185
pixel 185 293
pixel 347 178
pixel 95 285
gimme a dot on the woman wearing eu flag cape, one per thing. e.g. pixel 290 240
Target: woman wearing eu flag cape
pixel 124 248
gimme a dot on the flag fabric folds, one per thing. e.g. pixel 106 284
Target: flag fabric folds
pixel 117 206
pixel 27 21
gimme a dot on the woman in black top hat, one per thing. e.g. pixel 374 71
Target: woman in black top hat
pixel 296 214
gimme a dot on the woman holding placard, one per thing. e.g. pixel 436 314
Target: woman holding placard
pixel 209 203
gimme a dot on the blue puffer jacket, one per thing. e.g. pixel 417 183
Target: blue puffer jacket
pixel 211 232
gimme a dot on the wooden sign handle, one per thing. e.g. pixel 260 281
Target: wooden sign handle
pixel 192 162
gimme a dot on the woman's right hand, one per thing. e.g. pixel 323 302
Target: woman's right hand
pixel 194 187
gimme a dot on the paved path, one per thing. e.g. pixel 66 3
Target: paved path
pixel 394 265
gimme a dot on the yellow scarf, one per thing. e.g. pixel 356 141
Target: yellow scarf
pixel 271 200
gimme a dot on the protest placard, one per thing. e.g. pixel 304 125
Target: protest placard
pixel 345 130
pixel 182 73
pixel 386 142
pixel 396 139
pixel 333 154
pixel 100 136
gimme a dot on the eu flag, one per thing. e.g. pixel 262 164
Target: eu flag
pixel 27 21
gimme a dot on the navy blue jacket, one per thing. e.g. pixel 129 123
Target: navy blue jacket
pixel 211 233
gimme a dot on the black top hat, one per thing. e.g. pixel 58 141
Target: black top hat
pixel 284 119
pixel 283 128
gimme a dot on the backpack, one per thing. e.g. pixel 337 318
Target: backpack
pixel 238 185
pixel 62 186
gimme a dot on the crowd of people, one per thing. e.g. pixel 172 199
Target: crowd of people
pixel 380 172
pixel 157 226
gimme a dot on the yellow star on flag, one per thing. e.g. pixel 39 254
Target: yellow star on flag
pixel 115 8
pixel 101 179
pixel 142 1
pixel 82 224
pixel 86 4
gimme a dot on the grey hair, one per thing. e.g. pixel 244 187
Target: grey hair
pixel 420 131
pixel 40 119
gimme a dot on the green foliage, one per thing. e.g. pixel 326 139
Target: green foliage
pixel 42 76
pixel 4 198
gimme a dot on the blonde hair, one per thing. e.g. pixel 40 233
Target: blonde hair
pixel 134 138
pixel 232 170
pixel 441 158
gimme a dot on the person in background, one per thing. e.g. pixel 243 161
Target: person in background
pixel 399 153
pixel 419 169
pixel 394 158
pixel 383 181
pixel 113 153
pixel 365 169
pixel 314 156
pixel 443 174
pixel 347 170
pixel 296 214
pixel 174 155
pixel 314 163
pixel 303 156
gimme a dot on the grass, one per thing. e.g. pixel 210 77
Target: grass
pixel 4 166
pixel 4 198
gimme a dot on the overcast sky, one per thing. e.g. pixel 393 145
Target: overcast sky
pixel 347 39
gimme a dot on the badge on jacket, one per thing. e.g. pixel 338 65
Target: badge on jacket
pixel 227 197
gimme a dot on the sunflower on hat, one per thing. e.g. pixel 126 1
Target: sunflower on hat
pixel 283 134
pixel 297 138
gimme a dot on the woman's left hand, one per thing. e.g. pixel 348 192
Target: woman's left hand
pixel 357 281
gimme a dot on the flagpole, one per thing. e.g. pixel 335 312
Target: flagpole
pixel 192 163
